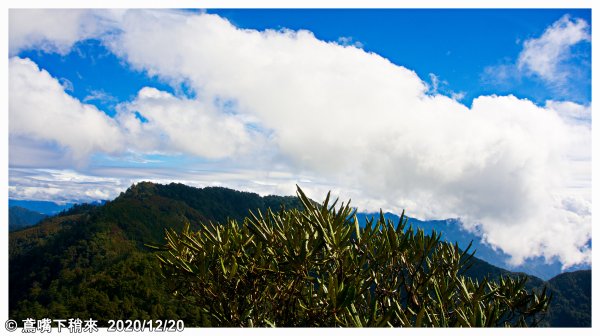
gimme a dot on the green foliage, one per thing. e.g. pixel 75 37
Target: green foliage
pixel 317 268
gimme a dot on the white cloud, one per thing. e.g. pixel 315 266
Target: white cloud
pixel 62 185
pixel 457 95
pixel 56 30
pixel 544 56
pixel 571 111
pixel 158 121
pixel 99 95
pixel 66 84
pixel 40 109
pixel 435 83
pixel 27 152
pixel 106 183
pixel 349 41
pixel 365 126
pixel 439 86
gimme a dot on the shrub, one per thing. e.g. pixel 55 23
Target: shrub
pixel 317 268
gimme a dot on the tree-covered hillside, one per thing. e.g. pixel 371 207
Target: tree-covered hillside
pixel 572 304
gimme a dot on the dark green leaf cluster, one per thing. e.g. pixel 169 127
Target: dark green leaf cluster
pixel 317 268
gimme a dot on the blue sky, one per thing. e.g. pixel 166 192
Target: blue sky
pixel 483 115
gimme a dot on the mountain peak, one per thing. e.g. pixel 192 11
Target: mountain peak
pixel 141 188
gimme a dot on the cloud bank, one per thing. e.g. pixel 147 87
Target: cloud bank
pixel 517 172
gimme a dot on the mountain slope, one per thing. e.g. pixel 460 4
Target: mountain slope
pixel 19 217
pixel 572 304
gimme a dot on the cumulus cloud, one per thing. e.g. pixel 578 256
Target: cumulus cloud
pixel 154 122
pixel 544 56
pixel 40 109
pixel 368 127
pixel 157 121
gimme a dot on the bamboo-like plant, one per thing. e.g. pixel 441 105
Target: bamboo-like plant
pixel 317 268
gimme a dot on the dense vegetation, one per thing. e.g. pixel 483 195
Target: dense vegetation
pixel 90 261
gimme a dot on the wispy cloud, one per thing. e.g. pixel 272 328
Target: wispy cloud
pixel 546 56
pixel 440 86
pixel 547 59
pixel 435 83
pixel 101 96
pixel 66 84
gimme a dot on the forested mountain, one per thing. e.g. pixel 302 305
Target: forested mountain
pixel 572 305
pixel 19 217
pixel 91 262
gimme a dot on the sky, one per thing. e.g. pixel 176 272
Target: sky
pixel 482 115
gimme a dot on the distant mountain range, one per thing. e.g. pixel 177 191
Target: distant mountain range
pixel 19 217
pixel 90 261
pixel 452 231
pixel 44 207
